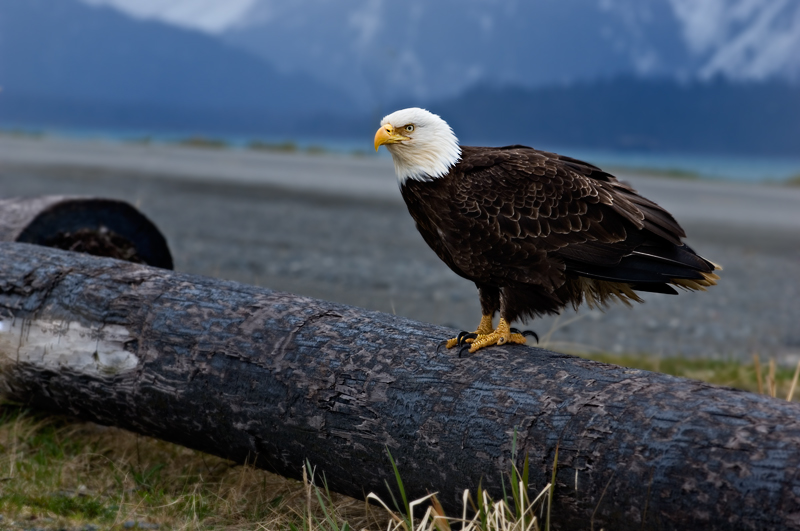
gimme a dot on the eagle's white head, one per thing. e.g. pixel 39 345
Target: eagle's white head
pixel 422 145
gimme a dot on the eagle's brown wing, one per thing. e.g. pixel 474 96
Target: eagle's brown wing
pixel 516 215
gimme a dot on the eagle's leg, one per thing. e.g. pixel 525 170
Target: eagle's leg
pixel 485 327
pixel 502 299
pixel 500 336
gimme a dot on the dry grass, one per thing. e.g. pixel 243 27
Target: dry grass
pixel 775 381
pixel 772 380
pixel 517 512
pixel 56 473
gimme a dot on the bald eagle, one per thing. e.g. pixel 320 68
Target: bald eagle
pixel 535 231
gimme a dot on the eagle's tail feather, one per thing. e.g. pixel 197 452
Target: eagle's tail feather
pixel 708 280
pixel 600 292
pixel 651 268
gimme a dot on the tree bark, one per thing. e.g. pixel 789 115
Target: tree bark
pixel 104 227
pixel 273 378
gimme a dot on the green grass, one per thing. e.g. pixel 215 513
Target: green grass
pixel 62 504
pixel 513 512
pixel 56 473
pixel 60 473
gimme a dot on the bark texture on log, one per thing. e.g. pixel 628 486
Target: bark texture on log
pixel 244 372
pixel 46 219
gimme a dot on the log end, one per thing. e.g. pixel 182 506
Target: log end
pixel 100 227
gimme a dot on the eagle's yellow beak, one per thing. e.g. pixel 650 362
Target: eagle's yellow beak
pixel 387 135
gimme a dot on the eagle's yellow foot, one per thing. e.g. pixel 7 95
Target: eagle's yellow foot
pixel 500 336
pixel 485 327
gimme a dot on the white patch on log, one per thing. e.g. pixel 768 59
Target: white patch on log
pixel 64 345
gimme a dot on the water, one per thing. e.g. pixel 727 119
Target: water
pixel 724 167
pixel 728 167
pixel 233 140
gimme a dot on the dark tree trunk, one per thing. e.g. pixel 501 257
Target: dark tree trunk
pixel 101 227
pixel 244 372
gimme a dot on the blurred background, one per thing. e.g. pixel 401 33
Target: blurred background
pixel 243 129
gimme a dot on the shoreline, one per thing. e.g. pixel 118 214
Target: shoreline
pixel 660 165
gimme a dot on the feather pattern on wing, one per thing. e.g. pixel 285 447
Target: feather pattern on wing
pixel 555 229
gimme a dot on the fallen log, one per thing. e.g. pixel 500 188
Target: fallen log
pixel 96 226
pixel 273 378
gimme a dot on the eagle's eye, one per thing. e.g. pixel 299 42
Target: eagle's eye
pixel 409 128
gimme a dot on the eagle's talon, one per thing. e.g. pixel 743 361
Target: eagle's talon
pixel 525 333
pixel 502 335
pixel 455 341
pixel 485 327
pixel 529 333
pixel 466 338
pixel 466 347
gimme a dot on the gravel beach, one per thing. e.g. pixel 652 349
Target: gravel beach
pixel 334 227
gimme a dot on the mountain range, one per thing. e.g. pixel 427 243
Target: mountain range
pixel 634 115
pixel 65 51
pixel 620 74
pixel 378 51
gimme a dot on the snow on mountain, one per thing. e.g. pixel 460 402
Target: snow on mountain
pixel 381 50
pixel 211 16
pixel 742 39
